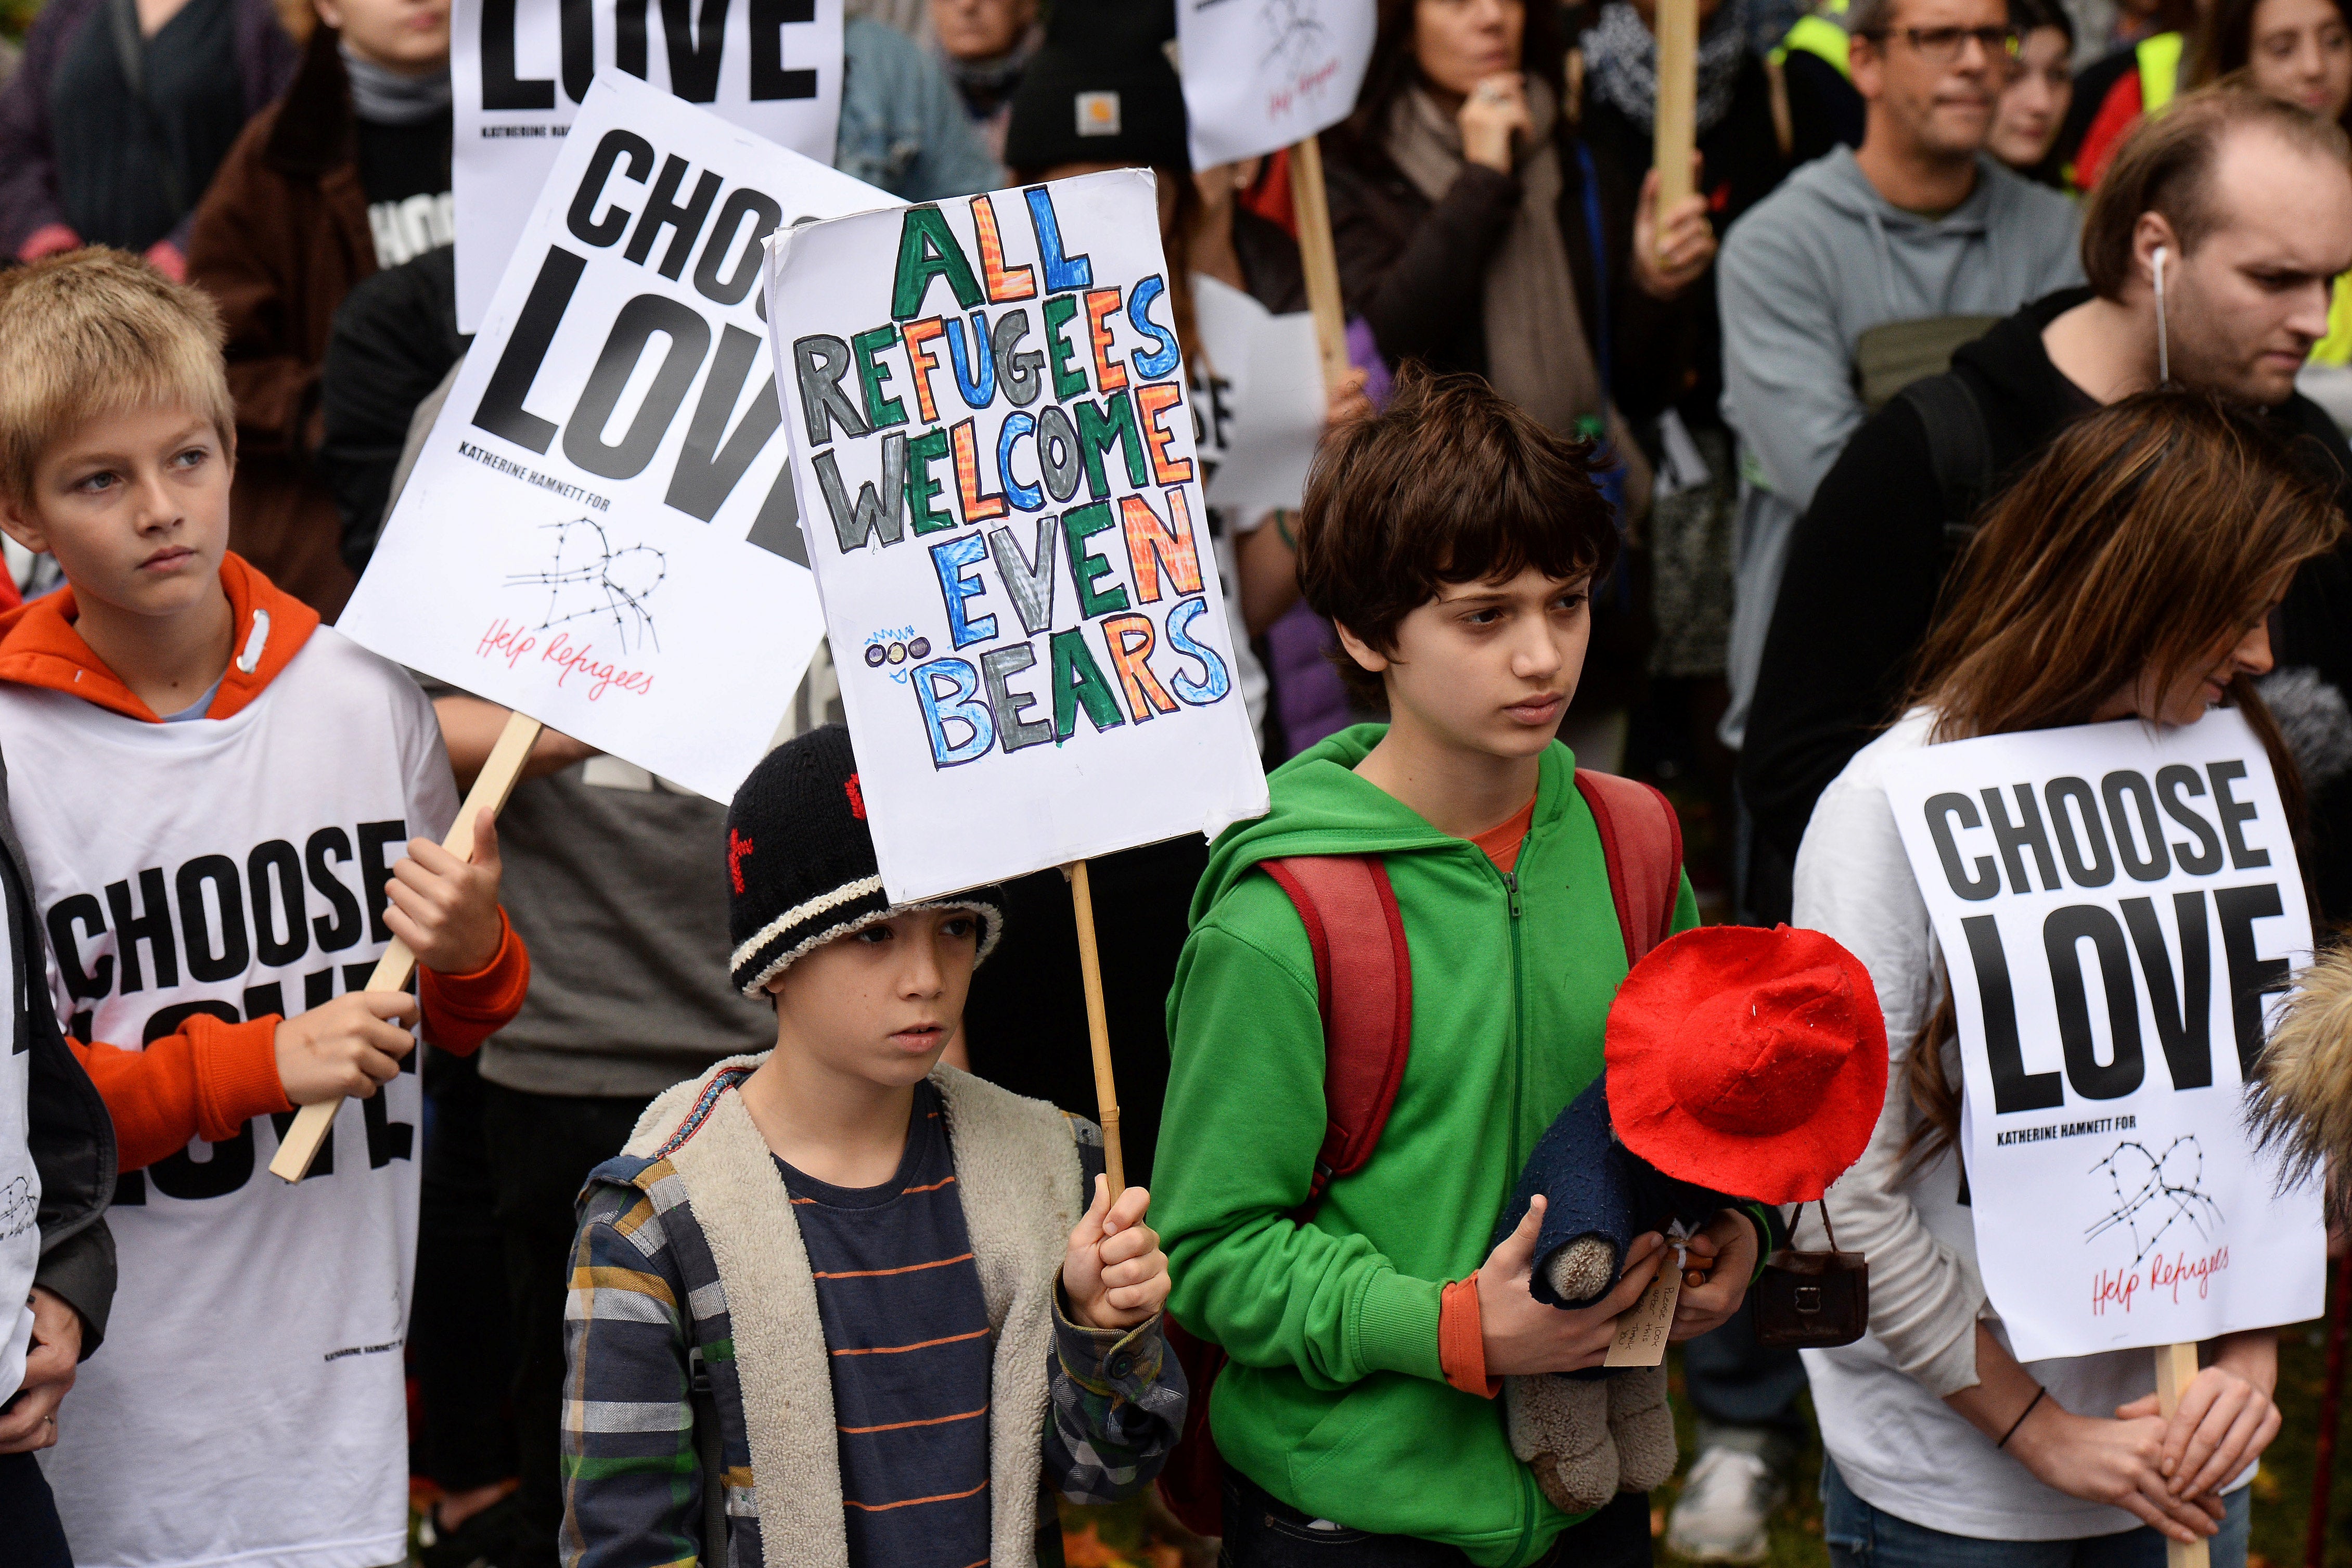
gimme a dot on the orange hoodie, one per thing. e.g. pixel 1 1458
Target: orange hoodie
pixel 209 1077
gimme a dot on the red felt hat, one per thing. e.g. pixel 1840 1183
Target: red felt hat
pixel 1750 1061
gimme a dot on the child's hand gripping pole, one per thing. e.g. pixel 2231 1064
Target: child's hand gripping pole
pixel 313 1122
pixel 1097 1028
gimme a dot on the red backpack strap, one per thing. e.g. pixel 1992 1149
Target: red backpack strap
pixel 1363 983
pixel 1641 840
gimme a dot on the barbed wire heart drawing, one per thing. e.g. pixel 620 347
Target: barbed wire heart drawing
pixel 590 579
pixel 1296 32
pixel 2153 1193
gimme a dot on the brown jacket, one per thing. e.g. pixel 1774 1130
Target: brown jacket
pixel 278 240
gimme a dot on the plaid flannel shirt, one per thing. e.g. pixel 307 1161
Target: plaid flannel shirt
pixel 647 1313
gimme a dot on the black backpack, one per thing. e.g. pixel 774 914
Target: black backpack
pixel 1960 452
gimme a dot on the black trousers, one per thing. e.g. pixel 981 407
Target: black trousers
pixel 30 1535
pixel 541 1148
pixel 461 1340
pixel 1262 1532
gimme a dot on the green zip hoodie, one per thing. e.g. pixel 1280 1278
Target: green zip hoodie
pixel 1334 1401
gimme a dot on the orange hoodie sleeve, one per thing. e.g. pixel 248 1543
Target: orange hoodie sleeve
pixel 461 1011
pixel 204 1080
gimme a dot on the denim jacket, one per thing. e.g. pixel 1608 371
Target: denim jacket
pixel 902 126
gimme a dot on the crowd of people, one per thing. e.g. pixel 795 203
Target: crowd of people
pixel 720 1220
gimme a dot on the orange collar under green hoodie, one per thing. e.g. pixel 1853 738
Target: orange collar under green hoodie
pixel 1336 1401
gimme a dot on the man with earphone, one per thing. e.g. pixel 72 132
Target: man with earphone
pixel 2210 245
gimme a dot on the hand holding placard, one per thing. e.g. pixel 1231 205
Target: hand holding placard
pixel 313 1122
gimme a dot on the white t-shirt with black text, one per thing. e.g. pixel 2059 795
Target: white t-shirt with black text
pixel 249 1407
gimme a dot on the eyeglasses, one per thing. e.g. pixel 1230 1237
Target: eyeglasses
pixel 1941 46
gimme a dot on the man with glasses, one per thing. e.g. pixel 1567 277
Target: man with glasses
pixel 1920 225
pixel 1863 271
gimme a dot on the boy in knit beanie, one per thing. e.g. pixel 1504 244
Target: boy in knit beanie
pixel 841 1303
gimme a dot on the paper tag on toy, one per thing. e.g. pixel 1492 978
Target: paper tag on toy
pixel 1641 1330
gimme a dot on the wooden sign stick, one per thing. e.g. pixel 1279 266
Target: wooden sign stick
pixel 1677 106
pixel 1318 257
pixel 313 1122
pixel 1097 1028
pixel 2175 1367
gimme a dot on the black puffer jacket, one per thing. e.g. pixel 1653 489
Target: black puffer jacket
pixel 72 1137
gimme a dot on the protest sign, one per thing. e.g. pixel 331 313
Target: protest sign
pixel 998 485
pixel 521 72
pixel 1257 400
pixel 954 375
pixel 598 532
pixel 593 528
pixel 2117 905
pixel 1262 74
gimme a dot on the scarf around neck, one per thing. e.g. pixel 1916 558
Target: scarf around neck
pixel 385 97
pixel 987 83
pixel 1536 353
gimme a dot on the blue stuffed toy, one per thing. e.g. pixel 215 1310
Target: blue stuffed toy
pixel 1752 1059
pixel 1590 1435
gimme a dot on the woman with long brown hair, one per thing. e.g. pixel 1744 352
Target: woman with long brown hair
pixel 2130 573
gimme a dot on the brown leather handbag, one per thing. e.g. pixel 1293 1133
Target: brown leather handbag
pixel 1812 1300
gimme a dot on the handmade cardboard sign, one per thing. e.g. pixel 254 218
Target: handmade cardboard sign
pixel 1257 400
pixel 521 72
pixel 599 532
pixel 998 485
pixel 2118 907
pixel 1262 74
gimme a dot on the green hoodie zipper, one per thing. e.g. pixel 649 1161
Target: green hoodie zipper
pixel 1530 1504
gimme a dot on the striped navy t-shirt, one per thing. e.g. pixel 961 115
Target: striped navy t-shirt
pixel 906 1328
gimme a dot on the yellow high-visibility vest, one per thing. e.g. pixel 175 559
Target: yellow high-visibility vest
pixel 2158 58
pixel 1821 31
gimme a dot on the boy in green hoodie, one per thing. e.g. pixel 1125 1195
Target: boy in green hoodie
pixel 1453 540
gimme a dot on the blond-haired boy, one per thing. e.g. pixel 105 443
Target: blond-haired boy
pixel 208 785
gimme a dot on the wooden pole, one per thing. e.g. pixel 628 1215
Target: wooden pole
pixel 1320 259
pixel 2176 1368
pixel 1097 1028
pixel 1677 106
pixel 314 1122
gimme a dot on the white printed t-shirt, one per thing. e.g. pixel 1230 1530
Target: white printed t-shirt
pixel 249 1407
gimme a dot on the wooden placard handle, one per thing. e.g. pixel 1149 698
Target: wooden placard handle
pixel 1677 105
pixel 2176 1368
pixel 1097 1028
pixel 313 1122
pixel 1318 258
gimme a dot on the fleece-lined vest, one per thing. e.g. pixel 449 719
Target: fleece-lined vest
pixel 1017 1170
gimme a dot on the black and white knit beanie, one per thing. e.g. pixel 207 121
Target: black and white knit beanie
pixel 800 862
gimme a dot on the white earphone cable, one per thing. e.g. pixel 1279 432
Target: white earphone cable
pixel 2163 349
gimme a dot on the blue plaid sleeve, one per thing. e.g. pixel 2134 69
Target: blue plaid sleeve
pixel 632 1486
pixel 1118 1396
pixel 1118 1408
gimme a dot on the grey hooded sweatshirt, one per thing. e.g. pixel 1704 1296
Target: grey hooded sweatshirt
pixel 1803 276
